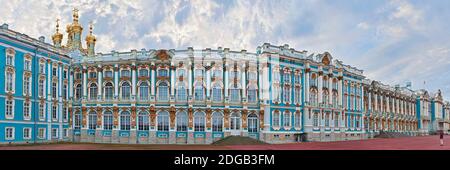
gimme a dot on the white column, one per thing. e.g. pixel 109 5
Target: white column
pixel 244 82
pixel 49 80
pixel 307 86
pixel 340 91
pixel 99 82
pixel 84 82
pixel 208 80
pixel 330 89
pixel 60 83
pixel 191 90
pixel 172 79
pixel 153 75
pixel 381 103
pixel 116 81
pixel 133 80
pixel 225 85
pixel 376 102
pixel 70 85
pixel 320 87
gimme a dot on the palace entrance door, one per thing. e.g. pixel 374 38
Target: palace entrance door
pixel 235 124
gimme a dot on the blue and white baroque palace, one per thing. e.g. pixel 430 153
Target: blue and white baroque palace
pixel 55 92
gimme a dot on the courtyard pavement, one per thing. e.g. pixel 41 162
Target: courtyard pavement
pixel 406 143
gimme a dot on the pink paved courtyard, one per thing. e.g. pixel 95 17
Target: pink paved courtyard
pixel 407 143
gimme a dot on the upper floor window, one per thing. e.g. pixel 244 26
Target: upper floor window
pixel 65 74
pixel 78 91
pixel 163 91
pixel 298 79
pixel 10 53
pixel 10 80
pixel 54 72
pixel 42 68
pixel 27 85
pixel 9 108
pixel 163 73
pixel 181 93
pixel 198 73
pixel 252 76
pixel 252 94
pixel 54 89
pixel 181 73
pixel 313 80
pixel 109 91
pixel 41 88
pixel 287 77
pixel 109 74
pixel 143 73
pixel 198 92
pixel 78 76
pixel 126 91
pixel 93 90
pixel 125 73
pixel 92 75
pixel 27 65
pixel 143 91
pixel 26 110
pixel 217 73
pixel 217 93
pixel 234 74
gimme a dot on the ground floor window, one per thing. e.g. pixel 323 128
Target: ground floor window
pixel 107 120
pixel 316 119
pixel 41 133
pixel 54 132
pixel 199 122
pixel 217 122
pixel 252 123
pixel 182 121
pixel 163 121
pixel 26 133
pixel 9 133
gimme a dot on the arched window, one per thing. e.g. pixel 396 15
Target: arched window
pixel 10 54
pixel 327 120
pixel 298 119
pixel 298 94
pixel 252 95
pixel 181 93
pixel 287 93
pixel 182 121
pixel 325 97
pixel 78 91
pixel 93 91
pixel 316 119
pixel 335 99
pixel 143 91
pixel 10 80
pixel 163 91
pixel 108 120
pixel 199 121
pixel 217 93
pixel 109 91
pixel 126 91
pixel 199 92
pixel 125 120
pixel 276 118
pixel 92 120
pixel 336 120
pixel 235 93
pixel 143 121
pixel 313 96
pixel 287 119
pixel 252 123
pixel 217 122
pixel 163 121
pixel 77 120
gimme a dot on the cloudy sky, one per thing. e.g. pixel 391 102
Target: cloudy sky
pixel 392 41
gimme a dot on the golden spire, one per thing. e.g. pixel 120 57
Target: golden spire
pixel 90 40
pixel 57 37
pixel 75 15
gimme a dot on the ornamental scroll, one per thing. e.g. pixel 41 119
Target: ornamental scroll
pixel 172 112
pixel 116 115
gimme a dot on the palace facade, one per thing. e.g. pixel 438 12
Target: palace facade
pixel 55 92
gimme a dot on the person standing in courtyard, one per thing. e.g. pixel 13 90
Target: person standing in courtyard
pixel 441 136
